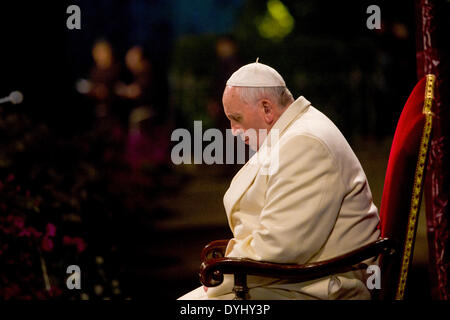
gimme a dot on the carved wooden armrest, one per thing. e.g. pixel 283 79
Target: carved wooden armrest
pixel 214 250
pixel 212 270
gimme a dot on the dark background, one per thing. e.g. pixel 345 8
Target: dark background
pixel 148 226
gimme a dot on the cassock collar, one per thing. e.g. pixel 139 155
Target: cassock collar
pixel 292 112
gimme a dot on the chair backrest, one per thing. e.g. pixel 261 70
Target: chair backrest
pixel 403 184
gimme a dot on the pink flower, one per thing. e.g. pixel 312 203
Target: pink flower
pixel 51 230
pixel 34 232
pixel 10 177
pixel 11 292
pixel 47 244
pixel 55 291
pixel 24 233
pixel 30 231
pixel 19 222
pixel 77 241
pixel 81 245
pixel 67 240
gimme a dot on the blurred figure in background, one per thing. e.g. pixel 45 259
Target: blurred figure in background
pixel 146 146
pixel 102 79
pixel 108 133
pixel 227 62
pixel 138 92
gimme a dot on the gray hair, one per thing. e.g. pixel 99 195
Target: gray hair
pixel 281 95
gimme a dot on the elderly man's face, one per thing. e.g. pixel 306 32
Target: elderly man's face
pixel 244 117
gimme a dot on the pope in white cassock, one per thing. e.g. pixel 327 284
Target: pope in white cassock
pixel 305 199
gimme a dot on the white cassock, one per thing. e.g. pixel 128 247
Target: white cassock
pixel 305 200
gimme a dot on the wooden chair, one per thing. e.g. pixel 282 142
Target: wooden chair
pixel 398 214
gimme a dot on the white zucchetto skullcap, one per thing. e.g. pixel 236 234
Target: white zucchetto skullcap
pixel 256 75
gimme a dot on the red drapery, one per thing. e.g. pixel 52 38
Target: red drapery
pixel 431 59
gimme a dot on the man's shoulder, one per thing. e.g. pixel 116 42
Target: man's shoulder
pixel 314 125
pixel 313 128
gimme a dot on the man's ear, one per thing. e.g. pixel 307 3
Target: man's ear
pixel 268 110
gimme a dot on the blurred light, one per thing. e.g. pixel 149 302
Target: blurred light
pixel 138 115
pixel 16 97
pixel 102 54
pixel 225 48
pixel 83 86
pixel 98 289
pixel 99 260
pixel 277 22
pixel 400 30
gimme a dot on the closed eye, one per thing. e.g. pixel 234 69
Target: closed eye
pixel 236 118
